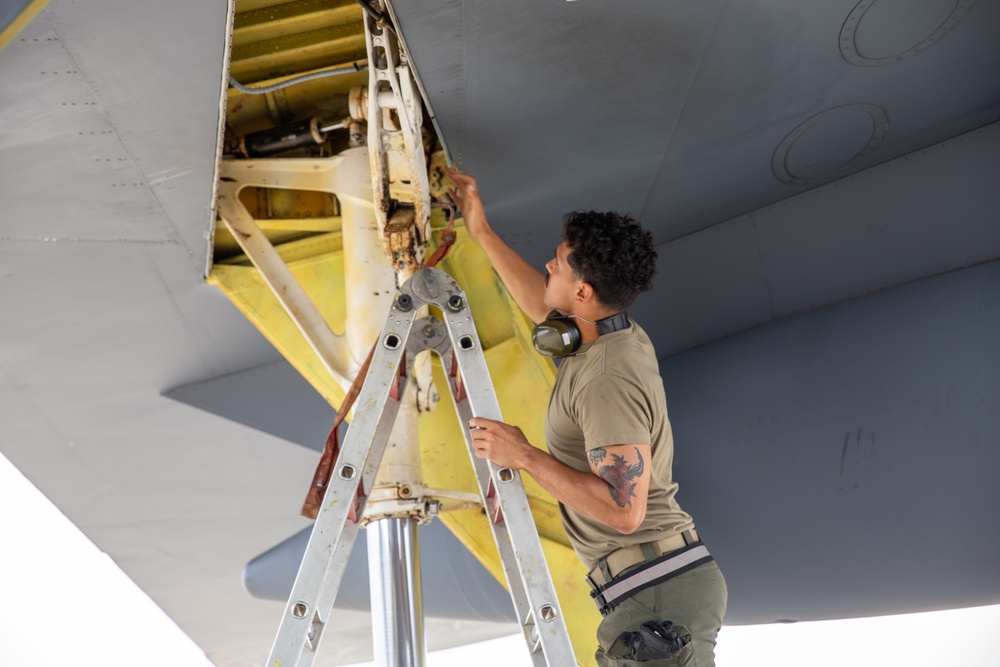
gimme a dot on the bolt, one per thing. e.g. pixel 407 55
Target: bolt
pixel 455 303
pixel 404 302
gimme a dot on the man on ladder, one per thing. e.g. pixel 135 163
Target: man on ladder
pixel 609 439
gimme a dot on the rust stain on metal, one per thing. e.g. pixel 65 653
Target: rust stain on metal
pixel 403 240
pixel 438 181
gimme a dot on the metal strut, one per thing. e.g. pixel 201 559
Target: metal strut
pixel 454 338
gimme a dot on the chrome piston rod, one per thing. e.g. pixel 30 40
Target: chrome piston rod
pixel 397 608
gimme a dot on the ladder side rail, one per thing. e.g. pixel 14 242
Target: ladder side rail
pixel 437 288
pixel 434 286
pixel 429 333
pixel 331 577
pixel 333 535
pixel 508 559
pixel 545 612
pixel 325 558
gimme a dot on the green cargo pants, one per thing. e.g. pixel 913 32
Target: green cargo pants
pixel 695 602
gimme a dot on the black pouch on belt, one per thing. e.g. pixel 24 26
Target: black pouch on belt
pixel 654 640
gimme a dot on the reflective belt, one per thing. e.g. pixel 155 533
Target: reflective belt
pixel 652 573
pixel 624 558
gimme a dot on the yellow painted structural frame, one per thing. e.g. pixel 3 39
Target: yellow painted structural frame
pixel 523 381
pixel 28 12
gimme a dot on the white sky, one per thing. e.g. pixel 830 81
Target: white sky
pixel 64 602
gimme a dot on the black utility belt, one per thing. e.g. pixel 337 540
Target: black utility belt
pixel 651 573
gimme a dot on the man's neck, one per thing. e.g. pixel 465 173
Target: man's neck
pixel 588 331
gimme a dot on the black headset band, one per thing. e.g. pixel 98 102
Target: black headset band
pixel 616 322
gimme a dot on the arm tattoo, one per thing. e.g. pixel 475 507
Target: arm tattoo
pixel 618 474
pixel 597 455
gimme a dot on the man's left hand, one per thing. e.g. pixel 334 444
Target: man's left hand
pixel 501 443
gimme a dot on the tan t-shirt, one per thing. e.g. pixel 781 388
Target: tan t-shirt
pixel 611 393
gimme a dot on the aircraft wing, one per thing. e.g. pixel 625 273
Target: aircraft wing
pixel 110 116
pixel 821 184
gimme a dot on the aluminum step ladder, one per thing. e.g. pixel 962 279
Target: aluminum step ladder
pixel 454 338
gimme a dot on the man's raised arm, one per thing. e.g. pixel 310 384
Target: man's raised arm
pixel 524 282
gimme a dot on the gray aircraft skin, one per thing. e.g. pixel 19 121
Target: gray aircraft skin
pixel 821 180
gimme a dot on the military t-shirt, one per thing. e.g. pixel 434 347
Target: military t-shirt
pixel 611 393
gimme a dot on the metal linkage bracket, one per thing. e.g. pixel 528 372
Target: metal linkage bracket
pixel 453 337
pixel 396 146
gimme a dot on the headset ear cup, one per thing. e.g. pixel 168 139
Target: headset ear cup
pixel 558 336
pixel 573 331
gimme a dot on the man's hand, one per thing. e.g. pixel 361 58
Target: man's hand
pixel 466 195
pixel 524 282
pixel 501 443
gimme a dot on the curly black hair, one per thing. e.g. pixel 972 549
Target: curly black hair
pixel 613 253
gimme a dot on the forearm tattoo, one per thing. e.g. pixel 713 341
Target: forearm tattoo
pixel 597 455
pixel 618 474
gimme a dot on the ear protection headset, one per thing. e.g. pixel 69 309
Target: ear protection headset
pixel 559 336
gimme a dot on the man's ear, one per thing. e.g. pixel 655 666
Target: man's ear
pixel 584 292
